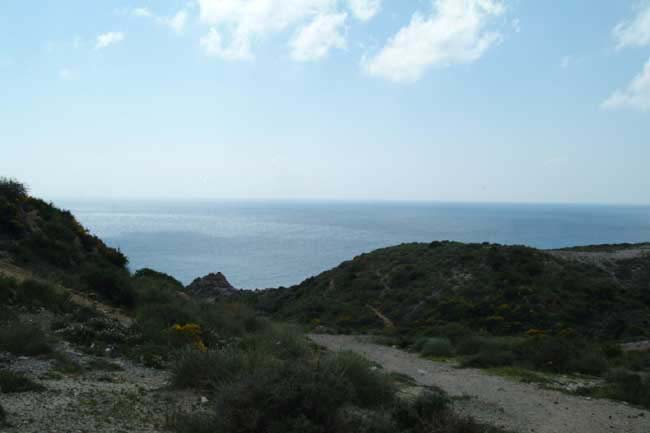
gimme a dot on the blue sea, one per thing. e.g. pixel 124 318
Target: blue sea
pixel 261 244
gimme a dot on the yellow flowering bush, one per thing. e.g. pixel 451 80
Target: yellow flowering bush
pixel 192 332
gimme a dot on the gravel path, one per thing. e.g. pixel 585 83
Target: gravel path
pixel 500 402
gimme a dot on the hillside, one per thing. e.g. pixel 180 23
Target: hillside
pixel 39 239
pixel 37 235
pixel 501 290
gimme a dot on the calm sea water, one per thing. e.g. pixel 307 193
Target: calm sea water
pixel 269 244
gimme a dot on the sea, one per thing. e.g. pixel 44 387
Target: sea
pixel 263 244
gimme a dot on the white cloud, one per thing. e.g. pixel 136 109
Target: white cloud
pixel 314 41
pixel 636 96
pixel 365 9
pixel 212 44
pixel 142 12
pixel 635 32
pixel 106 39
pixel 177 22
pixel 454 33
pixel 238 24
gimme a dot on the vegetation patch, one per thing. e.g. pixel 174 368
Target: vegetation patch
pixel 625 386
pixel 24 339
pixel 63 363
pixel 12 382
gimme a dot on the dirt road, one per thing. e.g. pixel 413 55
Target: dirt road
pixel 501 402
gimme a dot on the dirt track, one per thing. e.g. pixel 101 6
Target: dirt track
pixel 497 401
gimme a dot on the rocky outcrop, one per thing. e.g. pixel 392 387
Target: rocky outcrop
pixel 211 286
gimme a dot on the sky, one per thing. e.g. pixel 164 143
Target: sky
pixel 445 100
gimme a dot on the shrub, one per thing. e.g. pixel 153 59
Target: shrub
pixel 307 399
pixel 454 331
pixel 474 344
pixel 436 347
pixel 37 293
pixel 115 286
pixel 200 422
pixel 562 354
pixel 371 387
pixel 24 339
pixel 32 293
pixel 65 364
pixel 153 287
pixel 12 382
pixel 190 333
pixel 3 416
pixel 12 190
pixel 408 415
pixel 588 361
pixel 281 342
pixel 630 387
pixel 214 368
pixel 489 358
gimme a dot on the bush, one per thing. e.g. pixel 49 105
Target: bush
pixel 112 285
pixel 193 423
pixel 65 364
pixel 490 358
pixel 630 387
pixel 12 190
pixel 306 398
pixel 475 344
pixel 588 362
pixel 12 382
pixel 32 293
pixel 3 416
pixel 436 347
pixel 24 339
pixel 212 369
pixel 37 293
pixel 562 354
pixel 371 387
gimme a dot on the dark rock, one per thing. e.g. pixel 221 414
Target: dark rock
pixel 211 286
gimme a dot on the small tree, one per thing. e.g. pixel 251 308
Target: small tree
pixel 11 189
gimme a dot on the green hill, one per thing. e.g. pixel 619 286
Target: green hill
pixel 495 289
pixel 49 242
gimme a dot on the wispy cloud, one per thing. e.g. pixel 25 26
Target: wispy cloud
pixel 107 39
pixel 634 32
pixel 314 41
pixel 365 10
pixel 142 12
pixel 635 96
pixel 454 33
pixel 176 22
pixel 236 24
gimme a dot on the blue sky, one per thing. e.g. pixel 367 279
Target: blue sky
pixel 451 100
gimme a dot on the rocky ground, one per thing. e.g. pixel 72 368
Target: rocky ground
pixel 89 393
pixel 514 406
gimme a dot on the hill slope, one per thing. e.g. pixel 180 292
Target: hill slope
pixel 40 237
pixel 502 290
